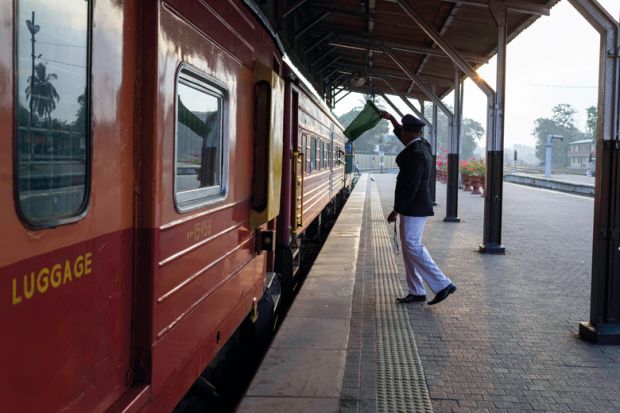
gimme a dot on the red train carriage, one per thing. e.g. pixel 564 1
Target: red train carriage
pixel 140 189
pixel 313 177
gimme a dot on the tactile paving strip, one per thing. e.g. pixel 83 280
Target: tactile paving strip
pixel 401 385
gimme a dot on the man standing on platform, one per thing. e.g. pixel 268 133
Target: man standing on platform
pixel 412 202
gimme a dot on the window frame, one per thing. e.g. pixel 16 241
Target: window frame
pixel 193 199
pixel 82 211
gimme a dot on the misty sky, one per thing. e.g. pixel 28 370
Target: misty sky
pixel 554 61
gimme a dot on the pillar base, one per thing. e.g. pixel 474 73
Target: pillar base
pixel 491 248
pixel 452 219
pixel 600 334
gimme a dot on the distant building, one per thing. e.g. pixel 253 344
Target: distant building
pixel 579 153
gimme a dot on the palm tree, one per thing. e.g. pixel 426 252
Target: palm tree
pixel 42 93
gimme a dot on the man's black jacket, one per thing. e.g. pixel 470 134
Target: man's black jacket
pixel 413 195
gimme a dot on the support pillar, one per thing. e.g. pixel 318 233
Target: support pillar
pixel 452 195
pixel 493 192
pixel 434 153
pixel 604 324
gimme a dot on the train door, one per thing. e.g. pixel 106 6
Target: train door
pixel 331 161
pixel 299 165
pixel 67 204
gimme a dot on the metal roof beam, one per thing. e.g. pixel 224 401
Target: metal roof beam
pixel 511 6
pixel 362 43
pixel 454 55
pixel 317 44
pixel 425 89
pixel 321 57
pixel 444 27
pixel 342 97
pixel 321 70
pixel 391 104
pixel 290 9
pixel 311 25
pixel 404 98
pixel 397 74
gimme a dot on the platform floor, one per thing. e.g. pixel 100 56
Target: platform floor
pixel 505 342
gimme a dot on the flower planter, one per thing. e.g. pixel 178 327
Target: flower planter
pixel 466 181
pixel 475 183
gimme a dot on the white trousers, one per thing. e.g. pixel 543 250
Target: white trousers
pixel 419 264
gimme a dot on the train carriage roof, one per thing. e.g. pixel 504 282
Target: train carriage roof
pixel 341 44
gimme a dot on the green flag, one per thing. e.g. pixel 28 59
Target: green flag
pixel 367 119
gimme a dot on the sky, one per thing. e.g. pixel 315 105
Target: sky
pixel 554 61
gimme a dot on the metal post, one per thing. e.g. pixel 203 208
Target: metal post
pixel 604 324
pixel 434 152
pixel 493 192
pixel 453 154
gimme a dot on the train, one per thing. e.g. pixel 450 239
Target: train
pixel 161 166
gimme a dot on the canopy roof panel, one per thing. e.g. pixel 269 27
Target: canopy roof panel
pixel 340 44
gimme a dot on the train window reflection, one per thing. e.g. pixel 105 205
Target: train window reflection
pixel 199 140
pixel 52 110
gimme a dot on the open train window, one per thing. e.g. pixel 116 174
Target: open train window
pixel 262 114
pixel 199 175
pixel 52 111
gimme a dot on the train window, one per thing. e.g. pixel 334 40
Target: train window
pixel 52 111
pixel 322 154
pixel 312 154
pixel 199 159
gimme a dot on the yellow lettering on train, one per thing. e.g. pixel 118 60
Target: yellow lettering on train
pixel 78 266
pixel 43 280
pixel 16 299
pixel 59 274
pixel 68 276
pixel 56 276
pixel 28 291
pixel 87 262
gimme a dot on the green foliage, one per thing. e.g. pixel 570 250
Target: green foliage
pixel 471 132
pixel 561 123
pixel 41 93
pixel 591 114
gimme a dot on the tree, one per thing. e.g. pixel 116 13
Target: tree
pixel 561 123
pixel 41 92
pixel 471 132
pixel 591 114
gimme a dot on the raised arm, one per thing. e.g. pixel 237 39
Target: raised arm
pixel 386 115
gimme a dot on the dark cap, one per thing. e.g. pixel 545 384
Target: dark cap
pixel 412 124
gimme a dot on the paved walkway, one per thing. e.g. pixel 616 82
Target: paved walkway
pixel 506 341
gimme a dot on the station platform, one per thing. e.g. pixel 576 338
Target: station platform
pixel 506 341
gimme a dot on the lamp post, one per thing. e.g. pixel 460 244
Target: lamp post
pixel 548 150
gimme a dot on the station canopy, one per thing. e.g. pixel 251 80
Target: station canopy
pixel 361 46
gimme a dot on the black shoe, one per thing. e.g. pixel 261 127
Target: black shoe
pixel 411 298
pixel 443 294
